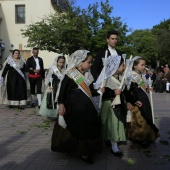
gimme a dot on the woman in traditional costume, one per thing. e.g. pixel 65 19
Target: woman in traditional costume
pixel 141 127
pixel 55 75
pixel 113 110
pixel 80 115
pixel 13 81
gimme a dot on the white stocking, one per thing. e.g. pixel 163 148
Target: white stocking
pixel 39 99
pixel 32 98
pixel 114 146
pixel 167 86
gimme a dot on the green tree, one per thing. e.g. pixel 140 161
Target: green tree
pixel 162 31
pixel 62 32
pixel 163 25
pixel 163 40
pixel 144 44
pixel 67 31
pixel 104 21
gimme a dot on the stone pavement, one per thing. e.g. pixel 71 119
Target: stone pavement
pixel 25 144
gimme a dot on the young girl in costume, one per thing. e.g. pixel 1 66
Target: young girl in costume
pixel 141 127
pixel 113 110
pixel 80 115
pixel 55 74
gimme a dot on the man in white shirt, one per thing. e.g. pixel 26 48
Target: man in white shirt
pixel 112 39
pixel 35 67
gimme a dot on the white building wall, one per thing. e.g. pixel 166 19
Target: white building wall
pixel 10 32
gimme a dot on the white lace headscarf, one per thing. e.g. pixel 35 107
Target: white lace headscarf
pixel 112 64
pixel 75 60
pixel 19 63
pixel 50 71
pixel 128 79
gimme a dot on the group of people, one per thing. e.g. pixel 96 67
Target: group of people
pixel 81 129
pixel 162 82
pixel 160 78
pixel 13 82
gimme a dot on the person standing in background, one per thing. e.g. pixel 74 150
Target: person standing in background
pixel 112 39
pixel 52 80
pixel 35 68
pixel 13 82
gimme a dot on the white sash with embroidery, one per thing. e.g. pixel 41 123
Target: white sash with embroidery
pixel 13 64
pixel 79 80
pixel 136 78
pixel 56 71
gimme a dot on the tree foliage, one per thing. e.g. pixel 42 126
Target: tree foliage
pixel 144 44
pixel 60 32
pixel 162 31
pixel 65 32
pixel 72 28
pixel 163 40
pixel 163 25
pixel 102 21
pixel 152 44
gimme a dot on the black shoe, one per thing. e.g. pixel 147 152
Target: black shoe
pixel 118 154
pixel 88 159
pixel 108 143
pixel 32 105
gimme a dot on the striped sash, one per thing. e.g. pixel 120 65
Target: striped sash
pixel 79 80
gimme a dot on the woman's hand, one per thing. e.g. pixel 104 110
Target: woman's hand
pixel 151 89
pixel 130 106
pixel 139 104
pixel 62 109
pixel 118 91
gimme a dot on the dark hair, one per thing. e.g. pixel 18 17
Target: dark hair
pixel 88 54
pixel 110 32
pixel 35 48
pixel 136 62
pixel 60 57
pixel 14 51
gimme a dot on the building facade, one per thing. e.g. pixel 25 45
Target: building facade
pixel 16 15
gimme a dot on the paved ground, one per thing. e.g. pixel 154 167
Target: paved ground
pixel 25 144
